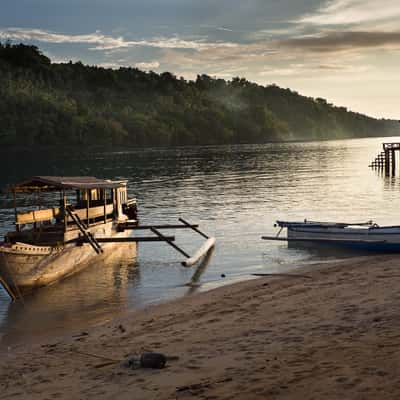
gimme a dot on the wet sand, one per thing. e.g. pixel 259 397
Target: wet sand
pixel 332 332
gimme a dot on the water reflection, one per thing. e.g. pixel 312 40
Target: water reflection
pixel 195 280
pixel 99 290
pixel 235 192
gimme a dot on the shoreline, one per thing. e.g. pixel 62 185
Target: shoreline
pixel 331 334
pixel 119 148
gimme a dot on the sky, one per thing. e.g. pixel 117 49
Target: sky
pixel 346 51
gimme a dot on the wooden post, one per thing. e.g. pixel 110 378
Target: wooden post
pixel 114 198
pixel 87 208
pixel 393 162
pixel 8 289
pixel 387 163
pixel 65 210
pixel 15 210
pixel 39 200
pixel 105 205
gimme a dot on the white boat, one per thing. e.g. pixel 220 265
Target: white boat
pixel 366 235
pixel 52 243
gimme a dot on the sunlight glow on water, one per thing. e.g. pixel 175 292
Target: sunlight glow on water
pixel 235 192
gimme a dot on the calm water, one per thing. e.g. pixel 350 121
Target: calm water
pixel 235 193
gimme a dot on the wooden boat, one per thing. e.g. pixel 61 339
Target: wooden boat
pixel 365 236
pixel 52 243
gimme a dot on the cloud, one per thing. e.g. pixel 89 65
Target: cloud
pixel 223 29
pixel 104 42
pixel 331 42
pixel 177 43
pixel 344 26
pixel 310 69
pixel 96 38
pixel 291 56
pixel 350 12
pixel 148 65
pixel 331 67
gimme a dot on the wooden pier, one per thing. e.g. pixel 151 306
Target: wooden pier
pixel 386 160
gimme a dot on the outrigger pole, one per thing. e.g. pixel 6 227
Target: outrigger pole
pixel 202 251
pixel 8 289
pixel 160 237
pixel 170 242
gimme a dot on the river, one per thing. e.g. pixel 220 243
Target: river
pixel 235 193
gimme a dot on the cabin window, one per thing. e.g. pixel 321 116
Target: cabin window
pixel 94 194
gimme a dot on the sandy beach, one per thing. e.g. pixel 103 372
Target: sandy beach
pixel 325 332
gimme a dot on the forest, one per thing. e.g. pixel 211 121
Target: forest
pixel 50 104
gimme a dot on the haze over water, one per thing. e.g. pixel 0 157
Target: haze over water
pixel 234 192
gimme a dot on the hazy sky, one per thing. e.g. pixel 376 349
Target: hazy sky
pixel 347 51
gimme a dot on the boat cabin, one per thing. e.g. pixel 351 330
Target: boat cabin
pixel 82 202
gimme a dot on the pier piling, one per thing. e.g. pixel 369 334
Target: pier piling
pixel 386 160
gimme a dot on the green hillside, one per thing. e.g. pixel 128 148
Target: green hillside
pixel 72 104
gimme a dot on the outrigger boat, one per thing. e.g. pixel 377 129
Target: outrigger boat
pixel 49 244
pixel 364 236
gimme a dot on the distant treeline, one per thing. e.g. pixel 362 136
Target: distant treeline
pixel 54 104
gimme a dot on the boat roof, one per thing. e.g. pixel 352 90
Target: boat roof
pixel 48 183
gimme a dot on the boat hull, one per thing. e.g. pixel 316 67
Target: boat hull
pixel 379 239
pixel 25 267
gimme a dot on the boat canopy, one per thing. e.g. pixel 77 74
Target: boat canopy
pixel 49 183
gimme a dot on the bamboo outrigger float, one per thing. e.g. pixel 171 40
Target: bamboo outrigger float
pixel 50 244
